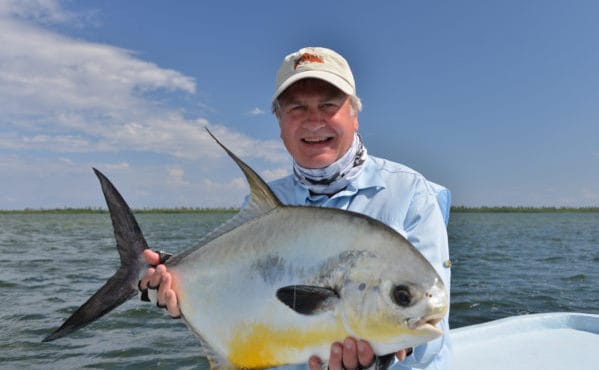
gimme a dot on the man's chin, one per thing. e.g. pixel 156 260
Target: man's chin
pixel 317 162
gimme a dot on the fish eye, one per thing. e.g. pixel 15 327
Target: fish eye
pixel 401 295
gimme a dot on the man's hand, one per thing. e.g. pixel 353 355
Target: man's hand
pixel 159 278
pixel 352 354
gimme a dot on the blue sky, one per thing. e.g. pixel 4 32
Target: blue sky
pixel 498 101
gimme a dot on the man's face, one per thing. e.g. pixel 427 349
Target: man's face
pixel 317 122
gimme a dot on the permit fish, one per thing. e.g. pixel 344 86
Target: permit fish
pixel 277 284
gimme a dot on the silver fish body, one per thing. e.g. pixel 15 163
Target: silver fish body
pixel 277 284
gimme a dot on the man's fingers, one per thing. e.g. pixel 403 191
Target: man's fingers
pixel 167 297
pixel 365 354
pixel 151 257
pixel 314 363
pixel 401 355
pixel 159 278
pixel 145 280
pixel 164 285
pixel 156 277
pixel 336 356
pixel 350 354
pixel 171 304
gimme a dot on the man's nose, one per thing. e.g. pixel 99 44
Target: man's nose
pixel 314 119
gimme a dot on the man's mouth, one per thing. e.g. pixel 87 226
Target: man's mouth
pixel 316 140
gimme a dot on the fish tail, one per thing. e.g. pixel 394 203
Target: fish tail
pixel 123 284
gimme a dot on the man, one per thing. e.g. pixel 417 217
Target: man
pixel 317 108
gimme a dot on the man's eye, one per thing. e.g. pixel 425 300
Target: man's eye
pixel 297 108
pixel 329 106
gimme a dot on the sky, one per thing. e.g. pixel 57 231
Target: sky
pixel 497 101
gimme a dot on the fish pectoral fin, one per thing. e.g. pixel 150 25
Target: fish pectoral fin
pixel 308 299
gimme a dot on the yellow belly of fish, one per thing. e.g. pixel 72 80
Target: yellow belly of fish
pixel 262 346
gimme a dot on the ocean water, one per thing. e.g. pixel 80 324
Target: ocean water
pixel 504 264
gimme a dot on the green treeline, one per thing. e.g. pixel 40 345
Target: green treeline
pixel 462 209
pixel 455 209
pixel 90 210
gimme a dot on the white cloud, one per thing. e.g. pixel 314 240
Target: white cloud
pixel 256 112
pixel 237 185
pixel 67 182
pixel 176 177
pixel 51 71
pixel 61 97
pixel 116 166
pixel 66 95
pixel 590 195
pixel 276 173
pixel 42 11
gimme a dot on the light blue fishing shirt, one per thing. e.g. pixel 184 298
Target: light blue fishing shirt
pixel 403 199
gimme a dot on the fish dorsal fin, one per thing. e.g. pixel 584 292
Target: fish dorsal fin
pixel 308 299
pixel 262 199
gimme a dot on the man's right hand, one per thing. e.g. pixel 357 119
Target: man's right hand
pixel 160 278
pixel 352 354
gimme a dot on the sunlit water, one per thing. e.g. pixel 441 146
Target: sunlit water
pixel 503 265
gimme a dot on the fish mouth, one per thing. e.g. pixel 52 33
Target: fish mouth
pixel 428 324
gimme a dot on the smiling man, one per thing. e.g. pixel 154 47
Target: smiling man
pixel 317 122
pixel 317 108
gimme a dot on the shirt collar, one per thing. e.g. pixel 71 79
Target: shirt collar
pixel 369 178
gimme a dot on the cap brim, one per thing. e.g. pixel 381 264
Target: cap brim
pixel 331 78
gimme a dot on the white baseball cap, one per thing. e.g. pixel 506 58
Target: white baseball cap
pixel 315 62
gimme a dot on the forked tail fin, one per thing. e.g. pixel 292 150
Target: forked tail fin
pixel 122 285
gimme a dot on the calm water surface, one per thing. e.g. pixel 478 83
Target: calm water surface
pixel 503 265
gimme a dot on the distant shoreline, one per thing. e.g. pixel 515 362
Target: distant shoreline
pixel 104 210
pixel 455 209
pixel 506 209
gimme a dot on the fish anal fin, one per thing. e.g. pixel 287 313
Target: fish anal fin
pixel 308 299
pixel 216 360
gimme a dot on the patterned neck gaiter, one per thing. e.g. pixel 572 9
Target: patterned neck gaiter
pixel 336 176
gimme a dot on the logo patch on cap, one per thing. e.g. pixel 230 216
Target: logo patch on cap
pixel 307 58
